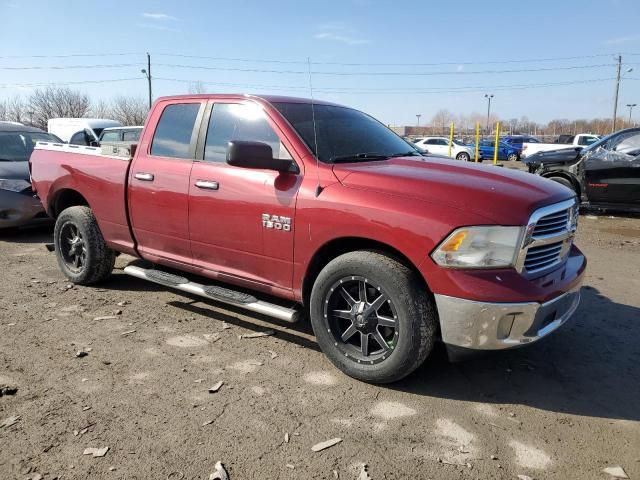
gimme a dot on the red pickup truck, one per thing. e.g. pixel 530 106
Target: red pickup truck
pixel 287 206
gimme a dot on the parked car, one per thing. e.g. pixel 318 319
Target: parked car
pixel 580 140
pixel 120 135
pixel 517 141
pixel 605 174
pixel 393 249
pixel 440 146
pixel 505 151
pixel 18 206
pixel 80 131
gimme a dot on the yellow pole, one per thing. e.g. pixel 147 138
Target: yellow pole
pixel 495 145
pixel 450 138
pixel 477 140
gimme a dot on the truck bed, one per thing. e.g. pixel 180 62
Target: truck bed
pixel 99 175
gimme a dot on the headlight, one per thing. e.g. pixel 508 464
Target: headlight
pixel 14 185
pixel 479 247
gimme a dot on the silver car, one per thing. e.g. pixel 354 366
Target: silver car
pixel 18 206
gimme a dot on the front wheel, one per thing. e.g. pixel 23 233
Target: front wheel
pixel 372 317
pixel 82 253
pixel 464 156
pixel 513 157
pixel 563 181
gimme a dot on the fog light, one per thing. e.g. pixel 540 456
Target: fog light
pixel 505 325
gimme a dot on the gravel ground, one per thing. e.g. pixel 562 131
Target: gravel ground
pixel 566 407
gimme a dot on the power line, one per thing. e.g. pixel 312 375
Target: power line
pixel 71 55
pixel 439 73
pixel 72 67
pixel 53 84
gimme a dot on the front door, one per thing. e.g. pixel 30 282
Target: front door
pixel 613 171
pixel 159 183
pixel 242 220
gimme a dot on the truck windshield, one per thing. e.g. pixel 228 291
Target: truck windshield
pixel 344 134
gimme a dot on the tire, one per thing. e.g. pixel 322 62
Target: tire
pixel 464 156
pixel 513 157
pixel 565 182
pixel 405 321
pixel 82 253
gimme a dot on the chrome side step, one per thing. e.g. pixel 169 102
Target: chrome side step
pixel 214 292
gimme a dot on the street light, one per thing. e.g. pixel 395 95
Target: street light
pixel 631 105
pixel 418 115
pixel 488 97
pixel 147 73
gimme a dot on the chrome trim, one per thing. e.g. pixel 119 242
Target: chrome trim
pixel 529 240
pixel 496 326
pixel 285 314
pixel 145 177
pixel 207 184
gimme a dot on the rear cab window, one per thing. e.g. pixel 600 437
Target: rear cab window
pixel 174 135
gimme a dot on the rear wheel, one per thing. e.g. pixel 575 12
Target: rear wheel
pixel 372 317
pixel 563 181
pixel 464 156
pixel 82 253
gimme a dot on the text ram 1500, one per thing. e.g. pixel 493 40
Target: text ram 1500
pixel 321 209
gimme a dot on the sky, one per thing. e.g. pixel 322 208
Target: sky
pixel 392 59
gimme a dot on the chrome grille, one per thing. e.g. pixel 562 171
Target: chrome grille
pixel 548 238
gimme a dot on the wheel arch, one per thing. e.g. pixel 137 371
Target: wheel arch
pixel 65 198
pixel 339 246
pixel 567 176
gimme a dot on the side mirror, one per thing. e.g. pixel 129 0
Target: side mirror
pixel 257 155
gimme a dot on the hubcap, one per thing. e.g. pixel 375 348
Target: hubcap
pixel 72 247
pixel 362 320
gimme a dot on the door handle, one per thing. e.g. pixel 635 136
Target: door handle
pixel 207 185
pixel 145 177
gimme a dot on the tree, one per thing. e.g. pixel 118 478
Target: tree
pixel 442 119
pixel 130 110
pixel 15 110
pixel 101 109
pixel 53 102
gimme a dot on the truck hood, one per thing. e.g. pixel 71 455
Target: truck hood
pixel 561 155
pixel 500 195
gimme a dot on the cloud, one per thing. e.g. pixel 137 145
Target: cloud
pixel 619 40
pixel 338 32
pixel 158 16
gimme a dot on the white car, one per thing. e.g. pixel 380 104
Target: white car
pixel 440 146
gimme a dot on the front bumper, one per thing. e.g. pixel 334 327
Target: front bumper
pixel 18 209
pixel 476 325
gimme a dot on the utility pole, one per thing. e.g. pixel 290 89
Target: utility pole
pixel 615 102
pixel 631 105
pixel 147 73
pixel 488 97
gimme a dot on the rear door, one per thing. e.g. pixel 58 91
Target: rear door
pixel 159 182
pixel 613 172
pixel 242 220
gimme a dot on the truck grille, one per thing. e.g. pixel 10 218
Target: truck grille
pixel 548 238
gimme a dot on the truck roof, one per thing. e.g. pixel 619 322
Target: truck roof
pixel 242 96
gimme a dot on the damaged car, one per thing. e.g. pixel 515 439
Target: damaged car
pixel 606 174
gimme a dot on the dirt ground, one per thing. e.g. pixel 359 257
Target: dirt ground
pixel 564 408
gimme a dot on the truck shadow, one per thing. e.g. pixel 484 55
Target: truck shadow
pixel 590 367
pixel 40 234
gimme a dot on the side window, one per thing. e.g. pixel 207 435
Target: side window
pixel 111 136
pixel 131 135
pixel 172 137
pixel 442 141
pixel 628 144
pixel 79 138
pixel 235 121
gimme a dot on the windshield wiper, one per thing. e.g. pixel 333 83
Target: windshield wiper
pixel 411 153
pixel 359 157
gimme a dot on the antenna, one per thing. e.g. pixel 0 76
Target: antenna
pixel 315 131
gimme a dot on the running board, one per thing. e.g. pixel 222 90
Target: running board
pixel 220 294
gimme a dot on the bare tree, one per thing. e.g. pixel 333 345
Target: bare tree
pixel 101 109
pixel 442 119
pixel 53 102
pixel 197 87
pixel 15 110
pixel 130 110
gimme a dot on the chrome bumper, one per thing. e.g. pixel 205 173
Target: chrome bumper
pixel 495 326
